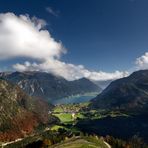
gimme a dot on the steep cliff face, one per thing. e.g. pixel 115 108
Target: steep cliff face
pixel 48 86
pixel 130 93
pixel 19 113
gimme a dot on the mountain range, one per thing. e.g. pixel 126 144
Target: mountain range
pixel 22 109
pixel 102 83
pixel 48 86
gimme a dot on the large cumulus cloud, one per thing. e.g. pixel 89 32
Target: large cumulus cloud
pixel 69 71
pixel 21 36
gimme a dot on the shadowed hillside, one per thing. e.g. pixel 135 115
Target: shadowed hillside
pixel 19 113
pixel 130 93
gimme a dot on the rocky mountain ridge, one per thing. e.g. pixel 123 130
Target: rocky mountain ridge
pixel 48 86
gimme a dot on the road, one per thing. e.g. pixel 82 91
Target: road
pixel 7 143
pixel 107 144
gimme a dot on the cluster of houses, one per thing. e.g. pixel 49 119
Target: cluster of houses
pixel 72 111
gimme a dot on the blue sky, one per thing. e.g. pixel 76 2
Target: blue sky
pixel 105 35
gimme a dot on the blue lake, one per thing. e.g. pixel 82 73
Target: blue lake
pixel 80 99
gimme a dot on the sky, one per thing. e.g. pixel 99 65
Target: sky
pixel 96 39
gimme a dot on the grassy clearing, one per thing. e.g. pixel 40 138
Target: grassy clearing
pixel 67 117
pixel 57 127
pixel 64 117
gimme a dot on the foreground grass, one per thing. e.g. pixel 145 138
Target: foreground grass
pixel 81 142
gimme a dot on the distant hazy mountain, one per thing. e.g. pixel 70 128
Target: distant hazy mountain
pixel 130 93
pixel 103 84
pixel 19 113
pixel 48 86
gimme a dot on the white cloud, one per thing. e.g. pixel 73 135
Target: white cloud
pixel 22 36
pixel 142 61
pixel 69 71
pixel 52 12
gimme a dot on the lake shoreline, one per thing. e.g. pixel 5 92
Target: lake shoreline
pixel 80 98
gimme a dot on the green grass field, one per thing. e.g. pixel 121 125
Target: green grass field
pixel 57 127
pixel 67 117
pixel 64 117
